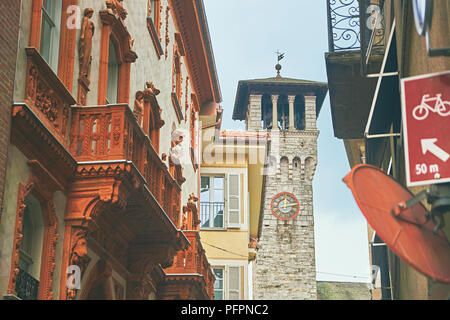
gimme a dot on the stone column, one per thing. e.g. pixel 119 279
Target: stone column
pixel 310 113
pixel 291 100
pixel 274 112
pixel 254 112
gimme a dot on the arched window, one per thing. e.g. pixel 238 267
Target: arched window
pixel 116 56
pixel 299 112
pixel 113 74
pixel 284 168
pixel 266 111
pixel 154 7
pixel 296 168
pixel 283 112
pixel 27 285
pixel 99 284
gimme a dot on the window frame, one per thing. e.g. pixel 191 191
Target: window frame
pixel 226 278
pixel 113 74
pixel 222 268
pixel 114 29
pixel 211 200
pixel 52 19
pixel 154 13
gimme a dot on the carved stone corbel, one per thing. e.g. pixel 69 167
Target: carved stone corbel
pixel 78 255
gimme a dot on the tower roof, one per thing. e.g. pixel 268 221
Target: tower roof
pixel 279 86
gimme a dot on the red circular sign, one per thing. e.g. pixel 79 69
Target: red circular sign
pixel 407 232
pixel 285 206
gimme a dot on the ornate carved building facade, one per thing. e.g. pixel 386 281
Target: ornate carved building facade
pixel 102 180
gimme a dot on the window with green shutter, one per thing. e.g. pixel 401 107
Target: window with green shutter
pixel 234 283
pixel 234 201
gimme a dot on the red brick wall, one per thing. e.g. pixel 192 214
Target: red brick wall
pixel 9 26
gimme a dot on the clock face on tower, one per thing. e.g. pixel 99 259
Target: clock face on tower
pixel 285 206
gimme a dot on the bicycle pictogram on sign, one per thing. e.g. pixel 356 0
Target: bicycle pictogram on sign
pixel 422 111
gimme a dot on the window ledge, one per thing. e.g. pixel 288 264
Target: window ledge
pixel 193 158
pixel 213 229
pixel 177 107
pixel 155 38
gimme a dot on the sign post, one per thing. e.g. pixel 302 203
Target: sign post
pixel 426 128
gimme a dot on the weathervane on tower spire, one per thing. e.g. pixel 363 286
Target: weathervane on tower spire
pixel 280 56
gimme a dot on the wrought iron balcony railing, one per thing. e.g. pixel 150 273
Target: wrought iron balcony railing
pixel 211 214
pixel 356 25
pixel 27 287
pixel 343 25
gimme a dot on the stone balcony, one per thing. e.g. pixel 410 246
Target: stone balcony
pixel 189 270
pixel 111 134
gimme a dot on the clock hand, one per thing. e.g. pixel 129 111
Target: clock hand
pixel 290 205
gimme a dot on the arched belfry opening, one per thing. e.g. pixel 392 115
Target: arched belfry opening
pixel 299 112
pixel 266 112
pixel 283 112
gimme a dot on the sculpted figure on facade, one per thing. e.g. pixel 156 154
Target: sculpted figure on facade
pixel 150 88
pixel 32 83
pixel 139 107
pixel 176 150
pixel 116 7
pixel 85 46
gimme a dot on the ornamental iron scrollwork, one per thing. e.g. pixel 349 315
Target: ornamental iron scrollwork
pixel 355 24
pixel 344 25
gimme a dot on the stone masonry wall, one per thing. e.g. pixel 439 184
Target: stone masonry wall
pixel 285 266
pixel 9 24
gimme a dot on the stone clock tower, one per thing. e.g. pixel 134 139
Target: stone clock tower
pixel 287 109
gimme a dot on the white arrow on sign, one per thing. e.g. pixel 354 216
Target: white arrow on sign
pixel 430 145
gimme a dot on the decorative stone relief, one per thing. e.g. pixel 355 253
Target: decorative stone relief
pixel 85 55
pixel 116 8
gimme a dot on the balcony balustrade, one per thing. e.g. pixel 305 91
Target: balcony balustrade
pixel 356 25
pixel 47 96
pixel 212 214
pixel 192 262
pixel 111 134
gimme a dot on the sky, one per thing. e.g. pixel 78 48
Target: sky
pixel 245 35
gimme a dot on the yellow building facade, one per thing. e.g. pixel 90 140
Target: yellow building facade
pixel 230 199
